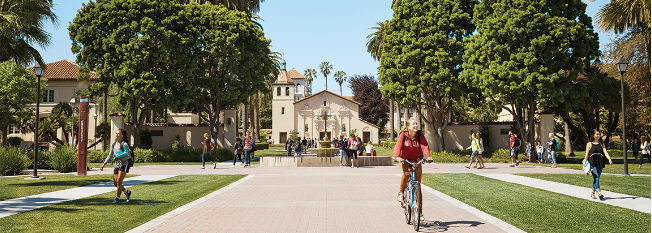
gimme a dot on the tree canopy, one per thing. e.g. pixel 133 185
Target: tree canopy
pixel 366 90
pixel 17 90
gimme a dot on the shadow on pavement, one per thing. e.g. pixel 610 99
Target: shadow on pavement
pixel 444 226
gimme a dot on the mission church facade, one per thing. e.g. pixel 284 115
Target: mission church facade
pixel 322 114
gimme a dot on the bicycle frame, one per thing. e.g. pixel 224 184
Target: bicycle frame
pixel 412 210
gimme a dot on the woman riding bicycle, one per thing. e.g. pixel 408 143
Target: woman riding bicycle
pixel 411 146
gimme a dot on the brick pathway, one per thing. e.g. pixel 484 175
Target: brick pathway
pixel 318 200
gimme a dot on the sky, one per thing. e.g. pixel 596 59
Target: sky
pixel 305 32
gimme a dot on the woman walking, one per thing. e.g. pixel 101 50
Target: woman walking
pixel 595 154
pixel 248 148
pixel 475 148
pixel 206 155
pixel 343 154
pixel 645 151
pixel 120 152
pixel 481 165
pixel 411 146
pixel 237 154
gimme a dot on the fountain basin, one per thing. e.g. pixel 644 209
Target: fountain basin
pixel 324 152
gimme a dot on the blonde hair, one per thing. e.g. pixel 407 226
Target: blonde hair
pixel 407 123
pixel 205 135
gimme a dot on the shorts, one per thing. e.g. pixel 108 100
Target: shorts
pixel 122 168
pixel 353 154
pixel 514 153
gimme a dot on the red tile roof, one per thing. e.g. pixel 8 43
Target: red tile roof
pixel 287 76
pixel 294 74
pixel 63 70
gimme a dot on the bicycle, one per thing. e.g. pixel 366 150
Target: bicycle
pixel 411 197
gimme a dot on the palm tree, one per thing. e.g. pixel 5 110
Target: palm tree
pixel 375 41
pixel 310 74
pixel 325 69
pixel 340 79
pixel 21 26
pixel 622 15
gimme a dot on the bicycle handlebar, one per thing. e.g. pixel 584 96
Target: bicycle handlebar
pixel 411 163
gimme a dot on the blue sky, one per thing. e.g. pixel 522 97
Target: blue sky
pixel 306 32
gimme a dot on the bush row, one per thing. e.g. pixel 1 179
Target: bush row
pixel 13 160
pixel 182 154
pixel 459 156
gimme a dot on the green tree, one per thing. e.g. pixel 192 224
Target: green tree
pixel 422 57
pixel 236 57
pixel 17 90
pixel 325 69
pixel 529 53
pixel 365 90
pixel 340 79
pixel 21 26
pixel 310 75
pixel 248 6
pixel 375 41
pixel 144 47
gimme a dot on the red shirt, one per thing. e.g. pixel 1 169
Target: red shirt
pixel 411 149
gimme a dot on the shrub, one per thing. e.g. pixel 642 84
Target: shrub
pixel 223 154
pixel 14 141
pixel 183 154
pixel 64 159
pixel 389 145
pixel 262 146
pixel 450 156
pixel 43 159
pixel 615 145
pixel 96 156
pixel 13 160
pixel 147 155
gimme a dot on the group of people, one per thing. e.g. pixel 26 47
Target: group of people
pixel 644 147
pixel 351 148
pixel 515 145
pixel 299 146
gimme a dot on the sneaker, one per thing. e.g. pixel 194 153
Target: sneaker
pixel 400 197
pixel 214 165
pixel 115 201
pixel 421 218
pixel 518 162
pixel 511 165
pixel 232 165
pixel 244 166
pixel 128 194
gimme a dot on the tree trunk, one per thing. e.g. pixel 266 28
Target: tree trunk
pixel 4 130
pixel 569 147
pixel 612 123
pixel 530 120
pixel 104 118
pixel 429 128
pixel 138 121
pixel 574 130
pixel 256 108
pixel 214 119
pixel 391 120
pixel 245 120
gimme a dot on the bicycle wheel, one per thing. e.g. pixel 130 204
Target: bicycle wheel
pixel 407 205
pixel 416 211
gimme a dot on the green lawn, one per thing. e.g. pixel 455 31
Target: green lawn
pixel 97 214
pixel 617 168
pixel 536 210
pixel 15 187
pixel 632 185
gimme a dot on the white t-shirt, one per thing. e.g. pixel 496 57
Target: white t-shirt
pixel 370 148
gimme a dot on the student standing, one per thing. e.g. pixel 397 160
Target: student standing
pixel 528 150
pixel 298 148
pixel 353 150
pixel 206 155
pixel 288 146
pixel 360 147
pixel 120 152
pixel 304 142
pixel 595 154
pixel 248 148
pixel 645 153
pixel 552 149
pixel 540 153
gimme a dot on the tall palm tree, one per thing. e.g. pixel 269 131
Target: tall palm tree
pixel 375 41
pixel 310 75
pixel 21 26
pixel 325 69
pixel 622 15
pixel 340 79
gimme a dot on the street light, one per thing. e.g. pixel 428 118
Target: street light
pixel 622 67
pixel 38 71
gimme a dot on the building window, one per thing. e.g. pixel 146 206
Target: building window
pixel 324 103
pixel 13 130
pixel 504 131
pixel 48 97
pixel 283 111
pixel 278 91
pixel 287 91
pixel 298 90
pixel 157 133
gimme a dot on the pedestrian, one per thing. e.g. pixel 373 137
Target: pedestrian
pixel 645 153
pixel 635 148
pixel 206 154
pixel 411 146
pixel 304 142
pixel 528 150
pixel 361 147
pixel 288 146
pixel 344 155
pixel 540 153
pixel 514 144
pixel 370 150
pixel 553 145
pixel 481 165
pixel 298 147
pixel 353 150
pixel 120 152
pixel 237 154
pixel 595 154
pixel 475 149
pixel 248 148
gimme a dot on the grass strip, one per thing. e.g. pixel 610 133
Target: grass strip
pixel 97 214
pixel 15 187
pixel 536 210
pixel 632 185
pixel 613 169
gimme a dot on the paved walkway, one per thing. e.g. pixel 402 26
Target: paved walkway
pixel 328 199
pixel 610 198
pixel 14 206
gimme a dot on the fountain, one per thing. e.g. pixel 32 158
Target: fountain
pixel 325 150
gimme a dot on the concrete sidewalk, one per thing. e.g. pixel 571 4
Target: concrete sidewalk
pixel 610 198
pixel 14 206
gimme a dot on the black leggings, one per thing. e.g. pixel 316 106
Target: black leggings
pixel 236 157
pixel 644 156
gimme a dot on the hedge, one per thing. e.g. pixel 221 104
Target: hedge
pixel 183 154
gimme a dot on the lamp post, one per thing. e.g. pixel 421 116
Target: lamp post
pixel 622 67
pixel 38 71
pixel 95 117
